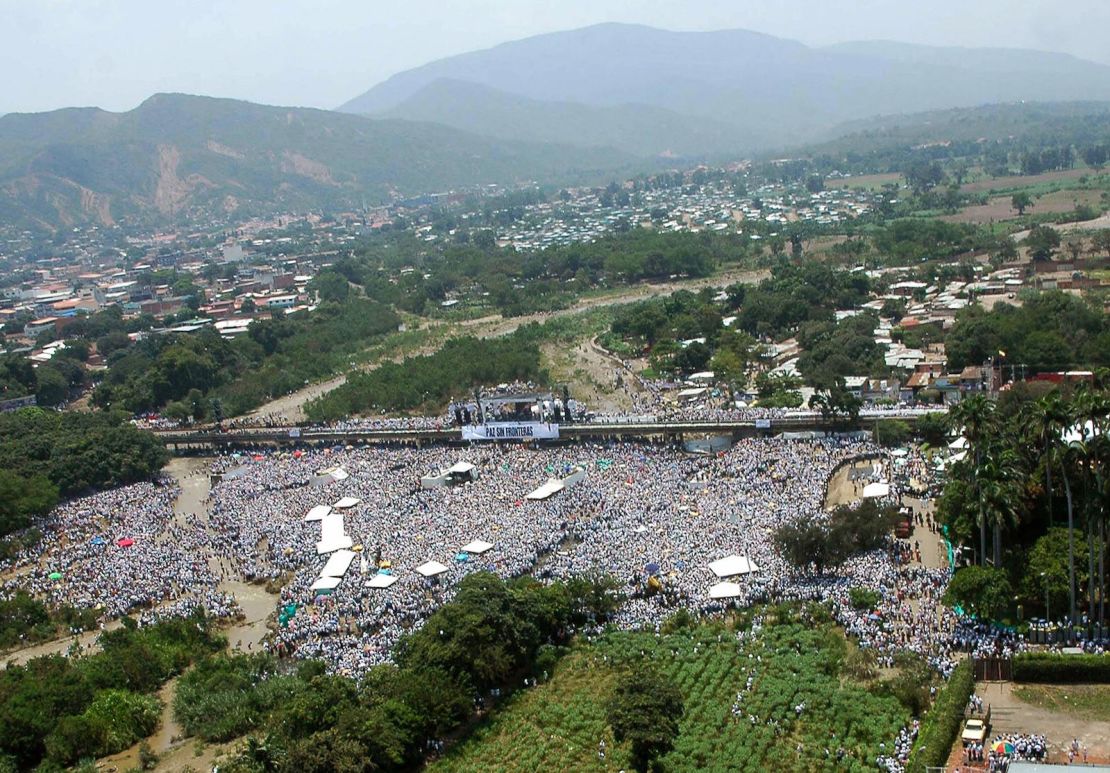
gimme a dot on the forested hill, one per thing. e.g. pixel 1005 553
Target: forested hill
pixel 769 90
pixel 177 155
pixel 1001 139
pixel 1077 123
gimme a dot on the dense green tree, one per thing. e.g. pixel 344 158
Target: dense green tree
pixel 983 591
pixel 1021 201
pixel 1042 241
pixel 644 711
pixel 23 498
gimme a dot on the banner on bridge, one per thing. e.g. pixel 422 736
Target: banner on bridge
pixel 511 430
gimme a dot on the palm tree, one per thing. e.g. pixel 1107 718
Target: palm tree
pixel 1000 494
pixel 975 417
pixel 1046 419
pixel 1092 413
pixel 1065 456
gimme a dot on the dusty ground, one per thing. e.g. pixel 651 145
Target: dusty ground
pixel 590 373
pixel 999 208
pixel 1011 715
pixel 993 183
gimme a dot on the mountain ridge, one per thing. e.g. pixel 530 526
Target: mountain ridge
pixel 178 155
pixel 643 130
pixel 771 90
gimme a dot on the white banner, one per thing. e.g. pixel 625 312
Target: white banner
pixel 511 430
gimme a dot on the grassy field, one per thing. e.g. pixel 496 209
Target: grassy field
pixel 557 726
pixel 1083 701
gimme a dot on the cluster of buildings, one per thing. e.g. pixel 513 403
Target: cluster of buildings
pixel 914 343
pixel 714 205
pixel 175 286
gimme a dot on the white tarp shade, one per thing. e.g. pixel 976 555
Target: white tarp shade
pixel 543 492
pixel 431 569
pixel 460 468
pixel 330 546
pixel 875 490
pixel 380 581
pixel 317 513
pixel 958 444
pixel 693 392
pixel 327 583
pixel 724 590
pixel 339 474
pixel 732 565
pixel 338 564
pixel 477 546
pixel 705 375
pixel 332 536
pixel 346 502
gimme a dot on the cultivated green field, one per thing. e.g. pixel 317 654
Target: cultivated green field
pixel 557 726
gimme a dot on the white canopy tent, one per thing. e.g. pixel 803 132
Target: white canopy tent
pixel 729 566
pixel 327 583
pixel 338 564
pixel 724 590
pixel 317 513
pixel 380 581
pixel 543 492
pixel 346 503
pixel 460 468
pixel 477 546
pixel 431 569
pixel 876 490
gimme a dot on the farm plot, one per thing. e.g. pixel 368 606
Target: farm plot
pixel 797 712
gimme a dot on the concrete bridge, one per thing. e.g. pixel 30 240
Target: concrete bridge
pixel 199 440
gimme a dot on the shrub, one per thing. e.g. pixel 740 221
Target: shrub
pixel 892 432
pixel 942 723
pixel 863 598
pixel 1061 669
pixel 126 717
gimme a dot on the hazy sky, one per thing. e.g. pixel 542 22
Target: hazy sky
pixel 320 53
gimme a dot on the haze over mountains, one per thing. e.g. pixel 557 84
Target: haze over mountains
pixel 177 155
pixel 755 89
pixel 562 107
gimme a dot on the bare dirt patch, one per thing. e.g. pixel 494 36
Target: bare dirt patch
pixel 995 183
pixel 999 208
pixel 591 374
pixel 306 167
pixel 1010 714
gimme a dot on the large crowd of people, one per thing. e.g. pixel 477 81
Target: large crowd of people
pixel 119 551
pixel 639 511
pixel 649 515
